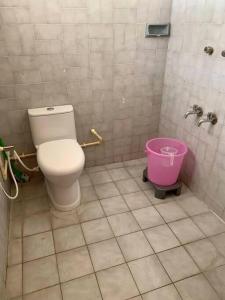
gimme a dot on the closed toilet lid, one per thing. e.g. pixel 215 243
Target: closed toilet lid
pixel 60 157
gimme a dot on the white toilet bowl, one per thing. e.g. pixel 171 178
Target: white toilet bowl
pixel 62 162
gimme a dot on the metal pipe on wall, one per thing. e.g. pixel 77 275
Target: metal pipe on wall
pixel 83 145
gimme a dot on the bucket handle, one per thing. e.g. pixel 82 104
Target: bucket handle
pixel 171 159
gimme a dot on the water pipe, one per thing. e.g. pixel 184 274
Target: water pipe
pixel 17 157
pixel 5 150
pixel 83 145
pixel 13 178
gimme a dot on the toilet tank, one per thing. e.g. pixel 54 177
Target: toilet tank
pixel 52 123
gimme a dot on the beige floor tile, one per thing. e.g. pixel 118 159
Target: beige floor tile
pixel 85 180
pixel 15 228
pixel 136 200
pixel 150 194
pixel 127 186
pixel 90 211
pixel 36 189
pixel 114 165
pixel 192 205
pixel 209 223
pixel 148 273
pixel 186 230
pixel 37 246
pixel 114 205
pixel 134 245
pixel 63 218
pixel 74 263
pixel 68 238
pixel 88 194
pixel 106 190
pixel 36 224
pixel 117 283
pixel 16 208
pixel 52 293
pixel 219 242
pixel 148 217
pixel 15 252
pixel 216 278
pixel 85 288
pixel 105 254
pixel 171 211
pixel 40 274
pixel 143 160
pixel 205 254
pixel 196 288
pixel 133 162
pixel 95 169
pixel 178 263
pixel 123 223
pixel 36 205
pixel 165 293
pixel 119 174
pixel 161 238
pixel 14 281
pixel 97 230
pixel 100 177
pixel 136 171
pixel 144 186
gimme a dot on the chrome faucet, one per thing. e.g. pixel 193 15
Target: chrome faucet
pixel 196 110
pixel 210 118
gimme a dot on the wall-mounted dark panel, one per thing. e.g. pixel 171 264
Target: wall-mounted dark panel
pixel 157 30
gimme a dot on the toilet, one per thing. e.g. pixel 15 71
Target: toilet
pixel 60 157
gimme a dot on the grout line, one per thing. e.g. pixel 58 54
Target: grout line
pixel 140 229
pixel 56 258
pixel 165 251
pixel 114 237
pixel 91 262
pixel 129 211
pixel 123 256
pixel 211 269
pixel 223 221
pixel 22 242
pixel 155 253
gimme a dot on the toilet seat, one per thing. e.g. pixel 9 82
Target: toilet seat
pixel 60 157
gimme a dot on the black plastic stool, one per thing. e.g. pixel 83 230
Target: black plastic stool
pixel 161 191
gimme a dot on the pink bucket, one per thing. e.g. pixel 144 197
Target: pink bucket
pixel 165 159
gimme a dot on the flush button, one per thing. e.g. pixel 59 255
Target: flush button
pixel 50 108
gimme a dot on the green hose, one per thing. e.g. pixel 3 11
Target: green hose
pixel 19 175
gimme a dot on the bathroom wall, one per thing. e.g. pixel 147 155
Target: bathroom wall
pixel 193 77
pixel 3 240
pixel 91 53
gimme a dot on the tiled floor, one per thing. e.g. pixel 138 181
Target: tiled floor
pixel 120 244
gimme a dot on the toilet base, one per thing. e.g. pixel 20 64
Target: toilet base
pixel 64 198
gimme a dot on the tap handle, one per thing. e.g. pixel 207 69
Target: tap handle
pixel 195 107
pixel 209 50
pixel 212 117
pixel 198 110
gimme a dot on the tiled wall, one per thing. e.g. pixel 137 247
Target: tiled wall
pixel 193 77
pixel 3 240
pixel 91 53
